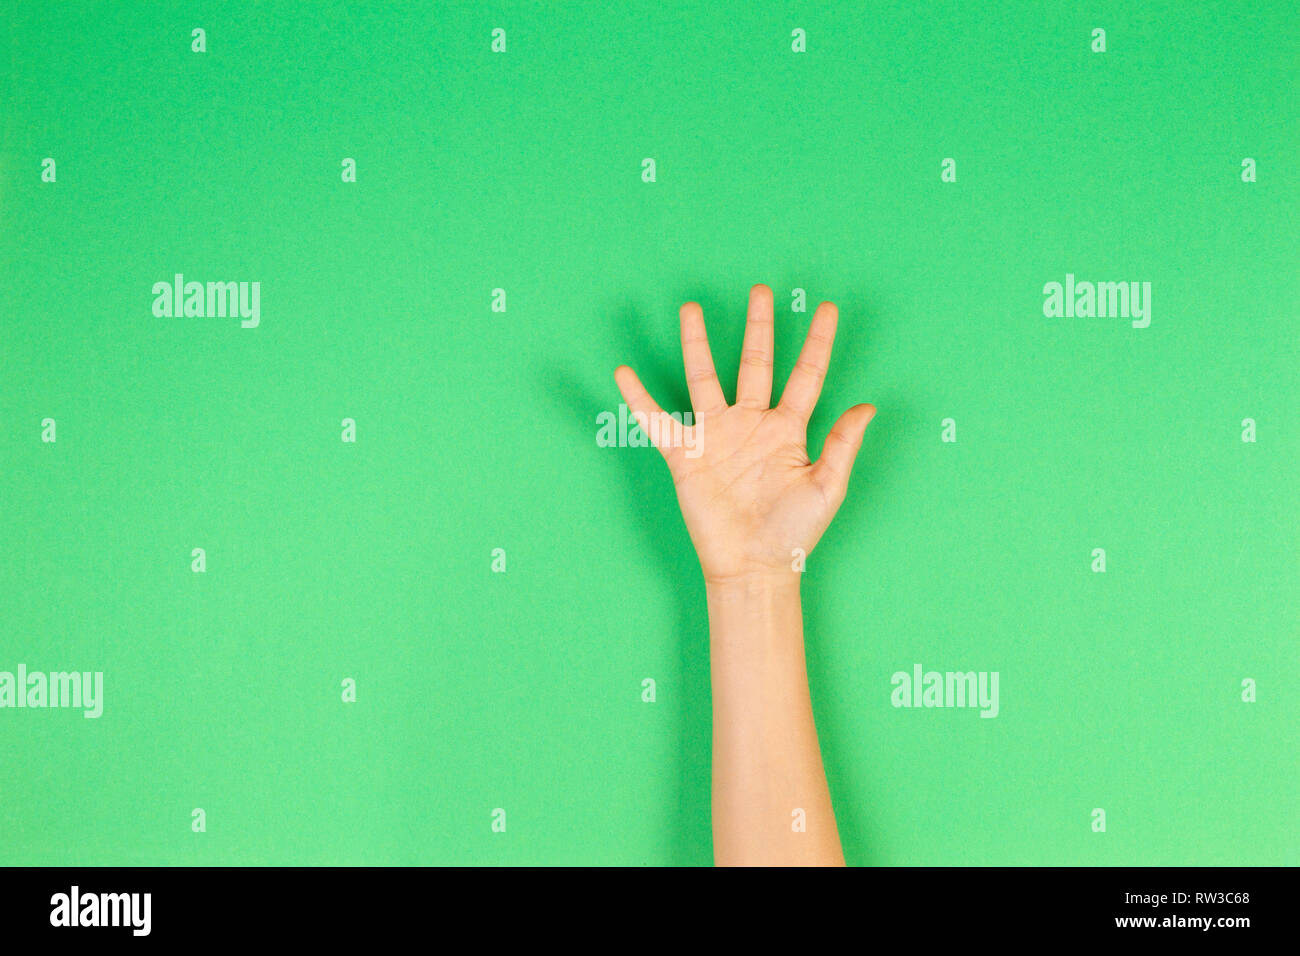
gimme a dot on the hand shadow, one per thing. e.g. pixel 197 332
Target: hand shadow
pixel 646 490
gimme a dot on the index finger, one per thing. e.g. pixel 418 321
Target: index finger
pixel 805 384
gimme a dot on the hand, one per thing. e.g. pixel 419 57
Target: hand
pixel 747 490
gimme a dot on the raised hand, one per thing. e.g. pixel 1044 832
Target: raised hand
pixel 747 489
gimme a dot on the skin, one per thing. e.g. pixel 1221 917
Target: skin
pixel 750 497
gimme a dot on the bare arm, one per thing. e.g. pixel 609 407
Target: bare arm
pixel 770 801
pixel 753 503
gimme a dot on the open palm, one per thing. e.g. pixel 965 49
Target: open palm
pixel 750 496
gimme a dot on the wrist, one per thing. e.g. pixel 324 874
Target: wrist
pixel 755 610
pixel 756 650
pixel 749 584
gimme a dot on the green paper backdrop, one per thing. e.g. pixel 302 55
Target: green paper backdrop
pixel 523 171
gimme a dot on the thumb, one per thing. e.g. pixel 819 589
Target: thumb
pixel 841 449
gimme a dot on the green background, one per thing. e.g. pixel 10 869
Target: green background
pixel 476 429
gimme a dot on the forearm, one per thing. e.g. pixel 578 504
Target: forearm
pixel 766 761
